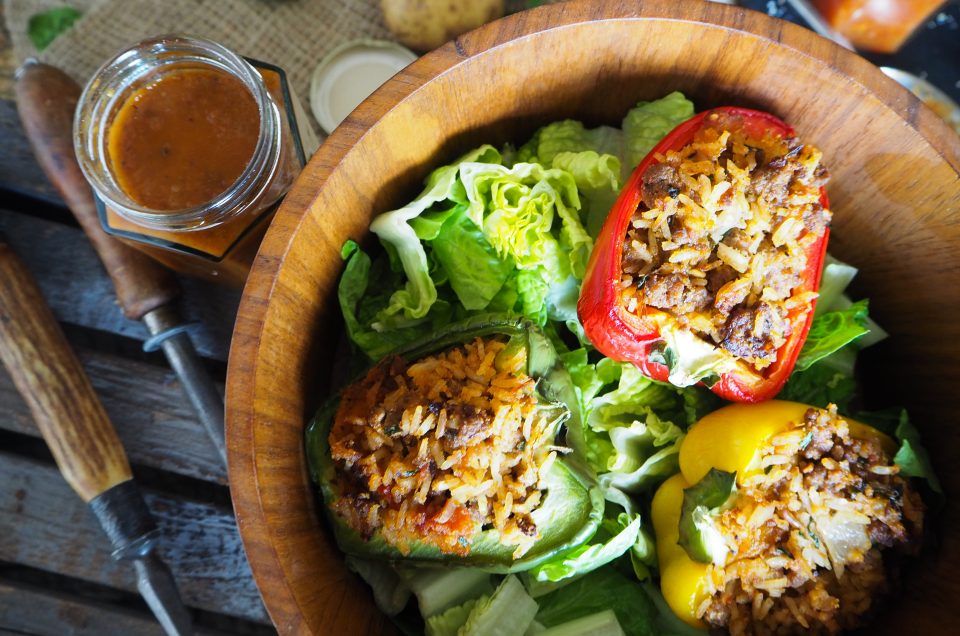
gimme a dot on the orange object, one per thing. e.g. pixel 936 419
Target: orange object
pixel 183 139
pixel 881 26
pixel 189 148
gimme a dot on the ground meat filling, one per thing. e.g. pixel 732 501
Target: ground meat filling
pixel 749 332
pixel 721 239
pixel 806 535
pixel 440 449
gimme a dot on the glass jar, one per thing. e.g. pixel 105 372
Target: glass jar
pixel 189 148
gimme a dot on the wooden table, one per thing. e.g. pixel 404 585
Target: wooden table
pixel 56 573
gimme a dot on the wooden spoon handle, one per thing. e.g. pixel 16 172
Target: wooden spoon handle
pixel 46 100
pixel 55 386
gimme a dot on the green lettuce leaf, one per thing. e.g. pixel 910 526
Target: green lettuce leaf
pixel 510 610
pixel 644 452
pixel 828 381
pixel 589 378
pixel 516 208
pixel 570 136
pixel 390 592
pixel 43 28
pixel 562 302
pixel 414 300
pixel 608 544
pixel 836 277
pixel 476 273
pixel 448 623
pixel 591 171
pixel 666 621
pixel 833 283
pixel 912 457
pixel 632 428
pixel 602 589
pixel 598 179
pixel 633 391
pixel 832 330
pixel 649 122
pixel 428 225
pixel 358 306
pixel 698 535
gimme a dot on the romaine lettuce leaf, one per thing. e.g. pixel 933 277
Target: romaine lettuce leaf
pixel 510 610
pixel 591 171
pixel 598 179
pixel 562 307
pixel 476 273
pixel 648 122
pixel 570 136
pixel 824 383
pixel 448 623
pixel 589 378
pixel 912 457
pixel 830 331
pixel 698 533
pixel 834 280
pixel 633 436
pixel 390 592
pixel 358 306
pixel 836 277
pixel 613 540
pixel 644 453
pixel 602 589
pixel 414 300
pixel 516 206
pixel 666 621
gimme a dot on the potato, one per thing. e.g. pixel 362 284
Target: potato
pixel 424 25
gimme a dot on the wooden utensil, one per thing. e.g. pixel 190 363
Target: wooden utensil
pixel 46 100
pixel 895 192
pixel 83 442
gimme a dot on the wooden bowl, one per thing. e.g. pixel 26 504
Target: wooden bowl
pixel 895 191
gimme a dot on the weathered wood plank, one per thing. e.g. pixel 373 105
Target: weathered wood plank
pixel 44 525
pixel 148 409
pixel 19 171
pixel 78 290
pixel 29 610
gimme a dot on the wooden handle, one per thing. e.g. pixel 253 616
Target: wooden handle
pixel 46 100
pixel 55 386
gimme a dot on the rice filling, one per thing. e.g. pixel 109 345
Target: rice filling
pixel 438 450
pixel 806 534
pixel 721 240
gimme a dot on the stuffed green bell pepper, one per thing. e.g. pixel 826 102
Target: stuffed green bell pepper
pixel 465 449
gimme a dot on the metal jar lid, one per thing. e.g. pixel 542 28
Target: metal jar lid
pixel 349 74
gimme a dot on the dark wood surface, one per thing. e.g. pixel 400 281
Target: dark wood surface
pixel 56 573
pixel 27 609
pixel 146 405
pixel 895 193
pixel 44 525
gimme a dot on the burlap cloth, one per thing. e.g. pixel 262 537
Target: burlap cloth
pixel 293 34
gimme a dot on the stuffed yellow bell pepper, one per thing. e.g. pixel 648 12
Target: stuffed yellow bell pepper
pixel 777 520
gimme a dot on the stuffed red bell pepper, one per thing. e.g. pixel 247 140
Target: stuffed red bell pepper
pixel 708 265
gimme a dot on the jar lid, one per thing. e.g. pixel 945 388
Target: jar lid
pixel 349 74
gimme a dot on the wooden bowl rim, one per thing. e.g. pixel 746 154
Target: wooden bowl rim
pixel 244 361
